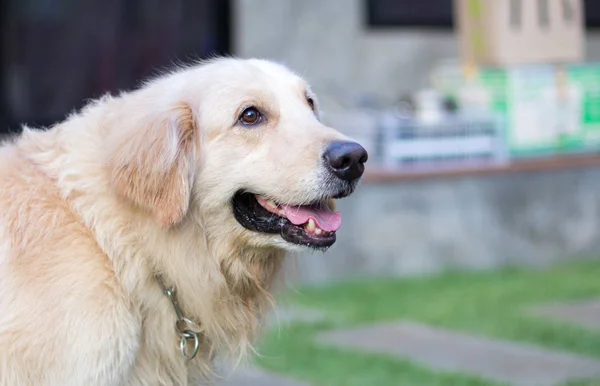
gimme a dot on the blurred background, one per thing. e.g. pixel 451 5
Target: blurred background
pixel 470 255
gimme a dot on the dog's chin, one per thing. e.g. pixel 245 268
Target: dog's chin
pixel 312 227
pixel 262 240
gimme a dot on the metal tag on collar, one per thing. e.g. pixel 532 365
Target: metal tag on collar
pixel 185 329
pixel 189 342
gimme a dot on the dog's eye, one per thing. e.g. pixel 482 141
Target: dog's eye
pixel 250 116
pixel 311 103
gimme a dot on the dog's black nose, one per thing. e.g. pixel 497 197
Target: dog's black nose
pixel 346 159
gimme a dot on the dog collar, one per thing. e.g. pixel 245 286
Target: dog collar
pixel 187 330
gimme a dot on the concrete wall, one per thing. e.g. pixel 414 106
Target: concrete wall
pixel 478 222
pixel 329 43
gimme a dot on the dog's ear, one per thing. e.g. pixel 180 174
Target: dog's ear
pixel 151 161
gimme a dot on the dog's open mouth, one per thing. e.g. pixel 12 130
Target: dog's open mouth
pixel 311 225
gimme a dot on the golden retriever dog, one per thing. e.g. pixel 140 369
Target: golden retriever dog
pixel 140 237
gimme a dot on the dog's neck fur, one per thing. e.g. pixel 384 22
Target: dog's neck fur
pixel 223 289
pixel 219 286
pixel 229 305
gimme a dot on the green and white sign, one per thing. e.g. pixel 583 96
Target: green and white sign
pixel 546 109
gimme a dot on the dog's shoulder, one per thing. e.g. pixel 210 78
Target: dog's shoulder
pixel 61 305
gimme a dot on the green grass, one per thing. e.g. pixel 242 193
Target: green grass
pixel 491 304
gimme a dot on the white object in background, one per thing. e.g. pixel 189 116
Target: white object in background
pixel 428 105
pixel 531 92
pixel 388 125
pixel 569 110
pixel 541 111
pixel 474 98
pixel 441 147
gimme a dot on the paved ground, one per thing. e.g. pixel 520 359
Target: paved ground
pixel 585 314
pixel 513 363
pixel 285 316
pixel 254 377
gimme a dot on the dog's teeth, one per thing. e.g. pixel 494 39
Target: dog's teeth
pixel 311 225
pixel 318 231
pixel 271 204
pixel 282 212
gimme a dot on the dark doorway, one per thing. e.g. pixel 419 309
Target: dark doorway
pixel 56 54
pixel 437 13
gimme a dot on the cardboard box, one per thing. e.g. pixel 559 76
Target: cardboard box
pixel 510 32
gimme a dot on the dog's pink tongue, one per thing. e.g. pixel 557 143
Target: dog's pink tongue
pixel 323 217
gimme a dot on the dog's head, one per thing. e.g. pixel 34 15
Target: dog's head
pixel 236 145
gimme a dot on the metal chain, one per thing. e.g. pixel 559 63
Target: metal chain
pixel 187 330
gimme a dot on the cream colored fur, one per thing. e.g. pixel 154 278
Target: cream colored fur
pixel 138 185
